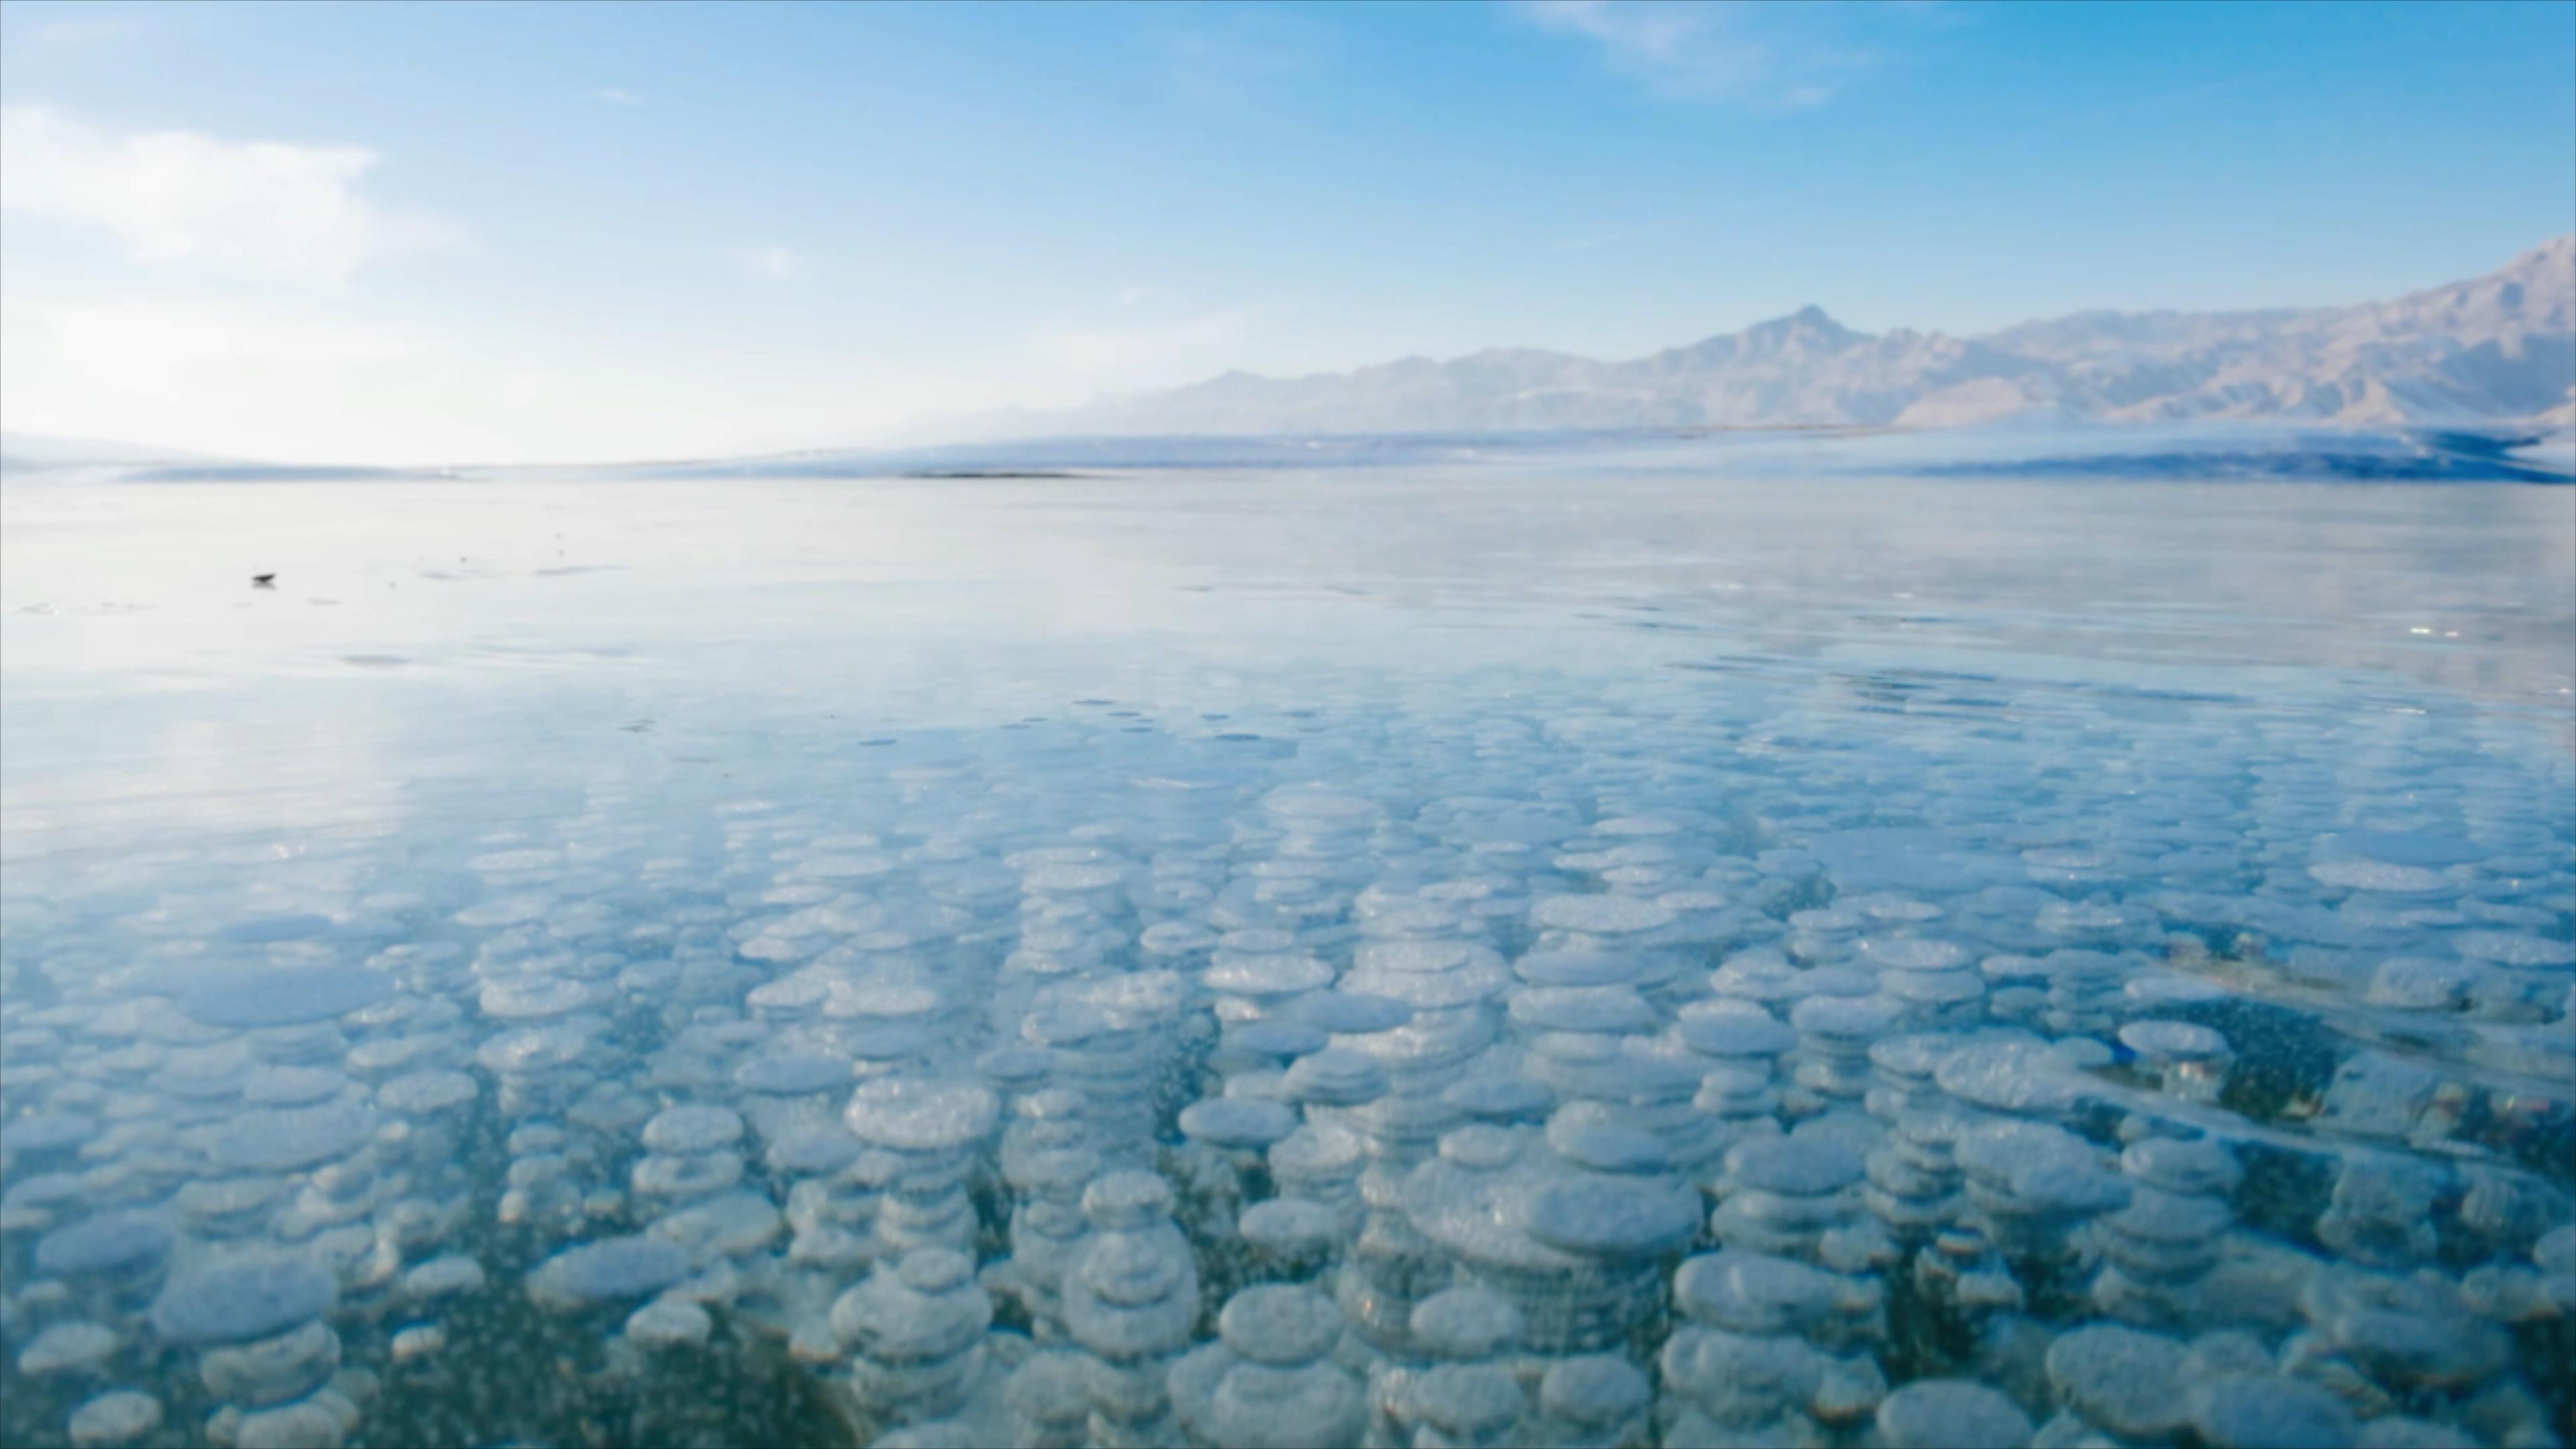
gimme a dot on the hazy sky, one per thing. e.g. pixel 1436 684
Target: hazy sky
pixel 491 232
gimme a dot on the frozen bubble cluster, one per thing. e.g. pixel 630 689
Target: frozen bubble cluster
pixel 1767 1057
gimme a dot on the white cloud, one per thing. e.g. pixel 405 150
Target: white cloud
pixel 219 375
pixel 773 261
pixel 315 379
pixel 264 207
pixel 615 96
pixel 1766 56
pixel 1131 353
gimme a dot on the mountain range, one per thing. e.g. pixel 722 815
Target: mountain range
pixel 2500 346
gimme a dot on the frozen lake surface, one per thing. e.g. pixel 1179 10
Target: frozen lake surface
pixel 1646 948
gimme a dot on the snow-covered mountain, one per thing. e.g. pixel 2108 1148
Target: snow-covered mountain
pixel 2496 347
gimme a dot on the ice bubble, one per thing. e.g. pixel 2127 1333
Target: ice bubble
pixel 1239 1122
pixel 1852 1019
pixel 1481 1147
pixel 533 998
pixel 1588 1009
pixel 1289 1227
pixel 216 1202
pixel 2403 1331
pixel 1597 1396
pixel 111 1244
pixel 1480 979
pixel 2011 1075
pixel 534 1049
pixel 42 1132
pixel 2380 877
pixel 1258 941
pixel 1318 807
pixel 1336 1078
pixel 1913 953
pixel 2044 1168
pixel 890 1001
pixel 693 1128
pixel 2242 1411
pixel 1501 1099
pixel 250 1296
pixel 1408 957
pixel 1466 1323
pixel 2523 953
pixel 843 867
pixel 1279 1037
pixel 1127 1201
pixel 1795 1166
pixel 120 1416
pixel 921 1116
pixel 1280 1324
pixel 444 1277
pixel 792 1073
pixel 1352 1013
pixel 1465 1403
pixel 667 1323
pixel 1612 1217
pixel 1579 968
pixel 1268 975
pixel 1951 1414
pixel 279 1140
pixel 812 1151
pixel 78 1347
pixel 1223 1395
pixel 682 1177
pixel 1759 1293
pixel 2191 1166
pixel 320 1422
pixel 2410 847
pixel 1599 915
pixel 1587 1134
pixel 1742 1033
pixel 2125 1380
pixel 609 1270
pixel 721 1226
pixel 279 1086
pixel 1759 976
pixel 1933 989
pixel 2173 1041
pixel 1830 981
pixel 284 997
pixel 271 1370
pixel 2417 983
pixel 2400 1431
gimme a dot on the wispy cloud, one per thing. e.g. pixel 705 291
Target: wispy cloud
pixel 1229 56
pixel 1595 240
pixel 613 96
pixel 1764 56
pixel 270 208
pixel 78 31
pixel 773 261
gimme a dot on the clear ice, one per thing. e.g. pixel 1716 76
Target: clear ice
pixel 1553 950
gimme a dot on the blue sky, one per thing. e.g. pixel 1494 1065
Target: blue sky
pixel 487 231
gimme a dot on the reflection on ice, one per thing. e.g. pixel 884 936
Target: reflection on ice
pixel 1458 1020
